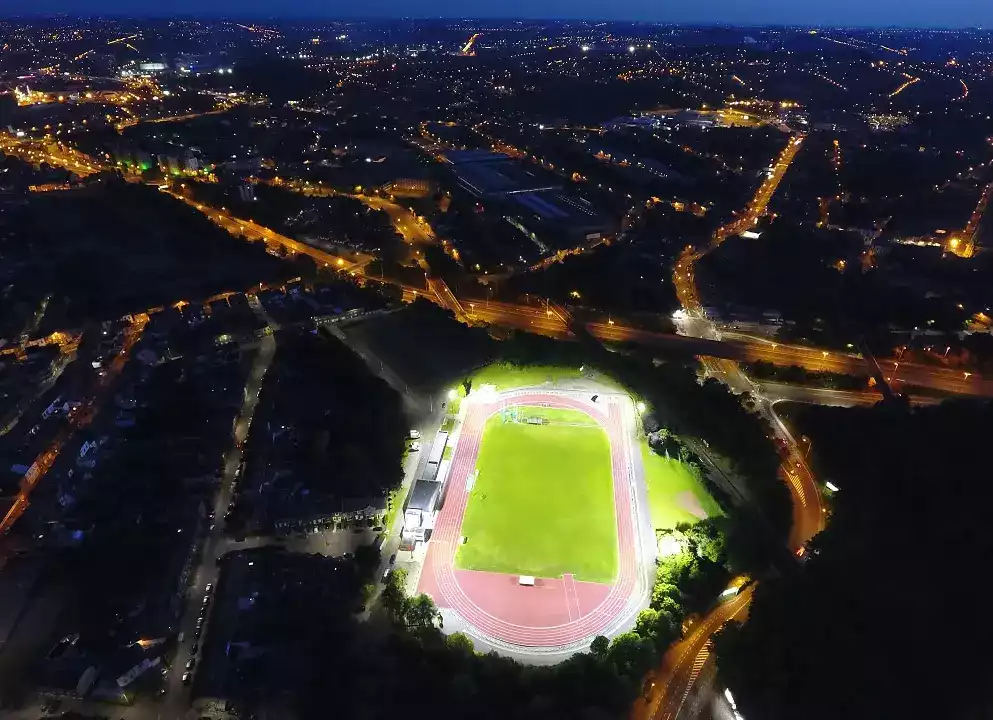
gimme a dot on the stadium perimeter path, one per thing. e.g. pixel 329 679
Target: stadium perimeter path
pixel 557 616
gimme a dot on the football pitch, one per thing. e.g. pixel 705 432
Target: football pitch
pixel 542 503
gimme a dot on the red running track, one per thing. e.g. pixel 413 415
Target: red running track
pixel 557 611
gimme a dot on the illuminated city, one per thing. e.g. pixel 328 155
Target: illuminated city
pixel 492 368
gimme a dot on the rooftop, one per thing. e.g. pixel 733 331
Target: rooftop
pixel 498 176
pixel 424 495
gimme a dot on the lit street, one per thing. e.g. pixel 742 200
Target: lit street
pixel 432 364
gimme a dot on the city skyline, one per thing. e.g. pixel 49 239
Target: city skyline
pixel 846 13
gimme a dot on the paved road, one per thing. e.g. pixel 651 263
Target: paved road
pixel 826 396
pixel 533 319
pixel 216 544
pixel 670 686
pixel 681 667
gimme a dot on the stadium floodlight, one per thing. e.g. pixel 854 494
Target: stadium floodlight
pixel 831 486
pixel 641 407
pixel 452 394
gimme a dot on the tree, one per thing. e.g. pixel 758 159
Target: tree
pixel 802 628
pixel 368 591
pixel 421 613
pixel 667 604
pixel 441 264
pixel 461 644
pixel 648 622
pixel 664 591
pixel 632 654
pixel 706 540
pixel 600 646
pixel 152 174
pixel 367 559
pixel 393 597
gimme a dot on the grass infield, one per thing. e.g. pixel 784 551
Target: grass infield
pixel 542 503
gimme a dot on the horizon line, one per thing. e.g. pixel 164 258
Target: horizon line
pixel 225 17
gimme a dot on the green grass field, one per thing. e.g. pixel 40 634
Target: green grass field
pixel 674 495
pixel 560 416
pixel 542 503
pixel 508 377
pixel 505 376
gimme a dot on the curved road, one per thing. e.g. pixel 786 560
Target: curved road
pixel 683 662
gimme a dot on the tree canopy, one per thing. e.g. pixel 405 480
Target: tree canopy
pixel 889 599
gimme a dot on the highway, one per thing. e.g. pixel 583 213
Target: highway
pixel 808 507
pixel 446 298
pixel 415 230
pixel 670 686
pixel 705 340
pixel 813 395
pixel 55 154
pixel 897 373
pixel 721 356
pixel 254 231
pixel 131 122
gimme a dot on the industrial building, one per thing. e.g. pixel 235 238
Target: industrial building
pixel 489 175
pixel 531 200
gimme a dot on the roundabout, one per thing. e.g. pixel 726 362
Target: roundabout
pixel 559 614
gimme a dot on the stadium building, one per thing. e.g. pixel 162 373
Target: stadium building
pixel 425 498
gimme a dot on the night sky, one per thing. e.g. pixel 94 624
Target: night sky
pixel 947 13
